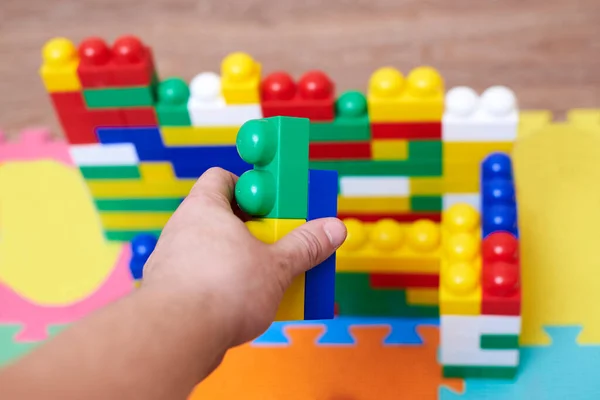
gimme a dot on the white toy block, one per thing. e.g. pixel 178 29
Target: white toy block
pixel 493 117
pixel 499 325
pixel 207 107
pixel 374 186
pixel 474 199
pixel 104 154
pixel 460 338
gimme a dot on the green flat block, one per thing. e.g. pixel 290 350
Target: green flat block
pixel 453 371
pixel 119 97
pixel 499 342
pixel 173 116
pixel 355 297
pixel 171 106
pixel 127 236
pixel 426 203
pixel 385 168
pixel 110 172
pixel 351 122
pixel 425 150
pixel 141 205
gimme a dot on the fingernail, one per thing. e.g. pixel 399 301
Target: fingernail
pixel 336 232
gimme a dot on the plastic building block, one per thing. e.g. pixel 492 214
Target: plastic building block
pixel 104 154
pixel 127 63
pixel 422 297
pixel 77 125
pixel 312 97
pixel 472 199
pixel 340 151
pixel 110 172
pixel 134 220
pixel 134 188
pixel 499 342
pixel 407 130
pixel 374 186
pixel 269 231
pixel 277 187
pixel 207 107
pixel 388 246
pixel 142 247
pixel 405 281
pixel 198 135
pixel 59 66
pixel 501 275
pixel 147 141
pixel 240 79
pixel 477 372
pixel 472 152
pixel 389 149
pixel 172 104
pixel 133 116
pixel 157 172
pixel 351 121
pixel 416 98
pixel 499 208
pixel 426 203
pixel 138 205
pixel 408 216
pixel 373 204
pixel 493 117
pixel 460 288
pixel 128 235
pixel 425 150
pixel 319 290
pixel 426 186
pixel 382 168
pixel 119 97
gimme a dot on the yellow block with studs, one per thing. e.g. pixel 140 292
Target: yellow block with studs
pixel 59 66
pixel 240 79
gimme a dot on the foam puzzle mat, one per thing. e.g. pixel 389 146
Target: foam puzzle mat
pixel 342 359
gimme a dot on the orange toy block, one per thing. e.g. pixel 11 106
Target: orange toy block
pixel 305 371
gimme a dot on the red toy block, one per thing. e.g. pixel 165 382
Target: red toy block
pixel 127 63
pixel 143 116
pixel 407 130
pixel 406 217
pixel 312 97
pixel 404 281
pixel 76 122
pixel 321 151
pixel 500 278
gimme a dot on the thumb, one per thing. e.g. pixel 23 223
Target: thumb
pixel 310 244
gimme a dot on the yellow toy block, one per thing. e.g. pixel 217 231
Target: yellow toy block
pixel 469 185
pixel 373 204
pixel 131 188
pixel 532 121
pixel 393 149
pixel 134 220
pixel 417 98
pixel 422 297
pixel 59 67
pixel 461 178
pixel 199 135
pixel 157 172
pixel 472 153
pixel 426 186
pixel 389 246
pixel 240 79
pixel 460 285
pixel 269 231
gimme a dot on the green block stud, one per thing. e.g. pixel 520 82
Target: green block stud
pixel 499 342
pixel 351 122
pixel 171 108
pixel 277 187
pixel 140 96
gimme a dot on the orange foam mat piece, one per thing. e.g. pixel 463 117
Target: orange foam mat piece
pixel 367 370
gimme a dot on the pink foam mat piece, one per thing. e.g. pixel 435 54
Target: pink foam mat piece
pixel 34 145
pixel 35 318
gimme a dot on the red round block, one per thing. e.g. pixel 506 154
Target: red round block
pixel 128 50
pixel 278 86
pixel 94 51
pixel 501 278
pixel 500 246
pixel 315 85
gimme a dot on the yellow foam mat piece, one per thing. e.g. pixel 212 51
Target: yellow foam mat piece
pixel 199 135
pixel 428 297
pixel 52 249
pixel 557 173
pixel 389 149
pixel 373 204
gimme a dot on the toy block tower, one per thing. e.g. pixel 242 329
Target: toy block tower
pixel 480 295
pixel 281 194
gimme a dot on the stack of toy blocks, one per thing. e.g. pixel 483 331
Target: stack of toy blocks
pixel 480 295
pixel 474 126
pixel 282 194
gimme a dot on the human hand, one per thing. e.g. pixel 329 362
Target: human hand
pixel 208 258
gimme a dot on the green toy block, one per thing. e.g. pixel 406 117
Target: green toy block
pixel 355 297
pixel 426 203
pixel 499 342
pixel 384 168
pixel 277 187
pixel 425 150
pixel 351 122
pixel 474 372
pixel 140 205
pixel 171 107
pixel 110 172
pixel 119 97
pixel 128 235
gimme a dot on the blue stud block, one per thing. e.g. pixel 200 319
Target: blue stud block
pixel 498 191
pixel 497 165
pixel 500 218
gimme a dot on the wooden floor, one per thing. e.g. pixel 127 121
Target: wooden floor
pixel 547 50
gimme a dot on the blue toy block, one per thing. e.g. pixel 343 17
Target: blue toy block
pixel 319 286
pixel 147 141
pixel 497 165
pixel 498 202
pixel 142 246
